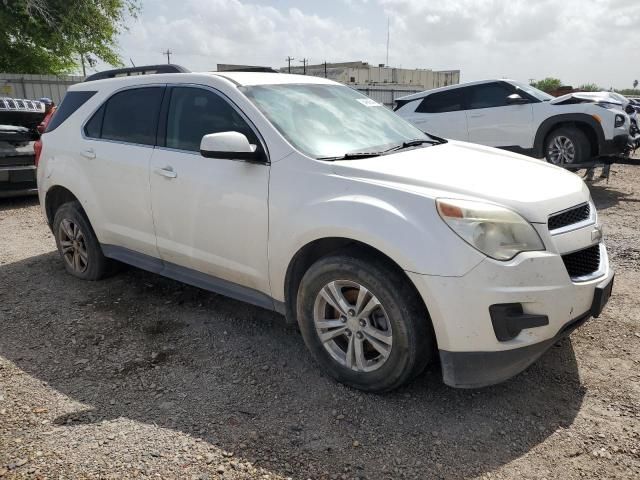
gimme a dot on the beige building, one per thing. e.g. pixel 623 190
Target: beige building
pixel 361 73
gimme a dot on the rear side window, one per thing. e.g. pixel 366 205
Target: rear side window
pixel 441 102
pixel 71 102
pixel 130 116
pixel 490 95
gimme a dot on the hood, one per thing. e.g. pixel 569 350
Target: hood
pixel 533 188
pixel 591 97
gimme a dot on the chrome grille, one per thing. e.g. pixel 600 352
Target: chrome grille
pixel 569 217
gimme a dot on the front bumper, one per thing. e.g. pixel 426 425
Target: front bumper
pixel 481 369
pixel 615 146
pixel 471 354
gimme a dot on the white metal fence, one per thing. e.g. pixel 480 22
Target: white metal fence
pixel 54 87
pixel 384 94
pixel 34 87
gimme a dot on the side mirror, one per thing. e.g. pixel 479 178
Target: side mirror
pixel 515 99
pixel 230 145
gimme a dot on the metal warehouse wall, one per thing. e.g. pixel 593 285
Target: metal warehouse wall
pixel 36 86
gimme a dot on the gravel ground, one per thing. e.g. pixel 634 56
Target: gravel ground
pixel 139 376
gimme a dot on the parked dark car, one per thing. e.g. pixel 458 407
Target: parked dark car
pixel 19 119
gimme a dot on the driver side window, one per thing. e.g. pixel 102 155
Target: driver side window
pixel 490 95
pixel 196 112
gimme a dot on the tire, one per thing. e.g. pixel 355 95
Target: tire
pixel 400 314
pixel 77 244
pixel 567 145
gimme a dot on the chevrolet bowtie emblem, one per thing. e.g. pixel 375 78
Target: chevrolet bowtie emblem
pixel 596 233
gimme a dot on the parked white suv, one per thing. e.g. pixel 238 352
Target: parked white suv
pixel 572 130
pixel 300 195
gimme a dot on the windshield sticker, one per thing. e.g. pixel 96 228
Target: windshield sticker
pixel 367 102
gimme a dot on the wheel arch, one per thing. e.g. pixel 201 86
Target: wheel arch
pixel 586 123
pixel 313 251
pixel 56 196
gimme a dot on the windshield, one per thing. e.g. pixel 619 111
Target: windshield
pixel 534 92
pixel 329 121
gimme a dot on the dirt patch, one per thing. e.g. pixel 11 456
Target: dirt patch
pixel 141 376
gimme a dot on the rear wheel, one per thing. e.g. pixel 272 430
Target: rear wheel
pixel 78 245
pixel 363 323
pixel 566 146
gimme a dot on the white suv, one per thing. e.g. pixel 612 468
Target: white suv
pixel 570 131
pixel 300 195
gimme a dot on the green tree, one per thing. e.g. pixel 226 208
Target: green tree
pixel 635 84
pixel 629 92
pixel 590 87
pixel 548 84
pixel 49 36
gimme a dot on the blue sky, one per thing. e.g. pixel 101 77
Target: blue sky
pixel 580 41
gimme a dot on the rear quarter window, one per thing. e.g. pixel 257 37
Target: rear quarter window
pixel 71 102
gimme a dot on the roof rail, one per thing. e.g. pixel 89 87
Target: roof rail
pixel 143 70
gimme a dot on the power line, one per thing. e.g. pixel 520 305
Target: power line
pixel 168 54
pixel 289 58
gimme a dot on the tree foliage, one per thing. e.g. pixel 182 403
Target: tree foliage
pixel 629 92
pixel 48 36
pixel 548 84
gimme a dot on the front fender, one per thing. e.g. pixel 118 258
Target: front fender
pixel 404 226
pixel 578 118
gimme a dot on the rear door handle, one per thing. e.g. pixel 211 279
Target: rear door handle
pixel 89 153
pixel 476 115
pixel 166 172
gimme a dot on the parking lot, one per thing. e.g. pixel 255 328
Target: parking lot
pixel 138 376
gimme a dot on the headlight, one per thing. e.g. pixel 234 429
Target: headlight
pixel 496 231
pixel 620 120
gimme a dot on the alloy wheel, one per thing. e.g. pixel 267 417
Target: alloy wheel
pixel 561 150
pixel 352 326
pixel 73 246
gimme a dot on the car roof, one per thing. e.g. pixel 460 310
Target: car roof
pixel 425 93
pixel 236 78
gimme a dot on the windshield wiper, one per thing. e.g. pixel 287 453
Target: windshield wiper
pixel 354 155
pixel 416 143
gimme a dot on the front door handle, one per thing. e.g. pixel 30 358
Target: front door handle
pixel 166 172
pixel 89 153
pixel 476 115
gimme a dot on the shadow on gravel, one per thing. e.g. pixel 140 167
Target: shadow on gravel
pixel 7 204
pixel 606 196
pixel 156 351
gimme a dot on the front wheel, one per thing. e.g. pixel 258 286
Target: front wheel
pixel 566 146
pixel 363 323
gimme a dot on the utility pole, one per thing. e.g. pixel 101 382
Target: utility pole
pixel 168 54
pixel 289 58
pixel 304 62
pixel 325 69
